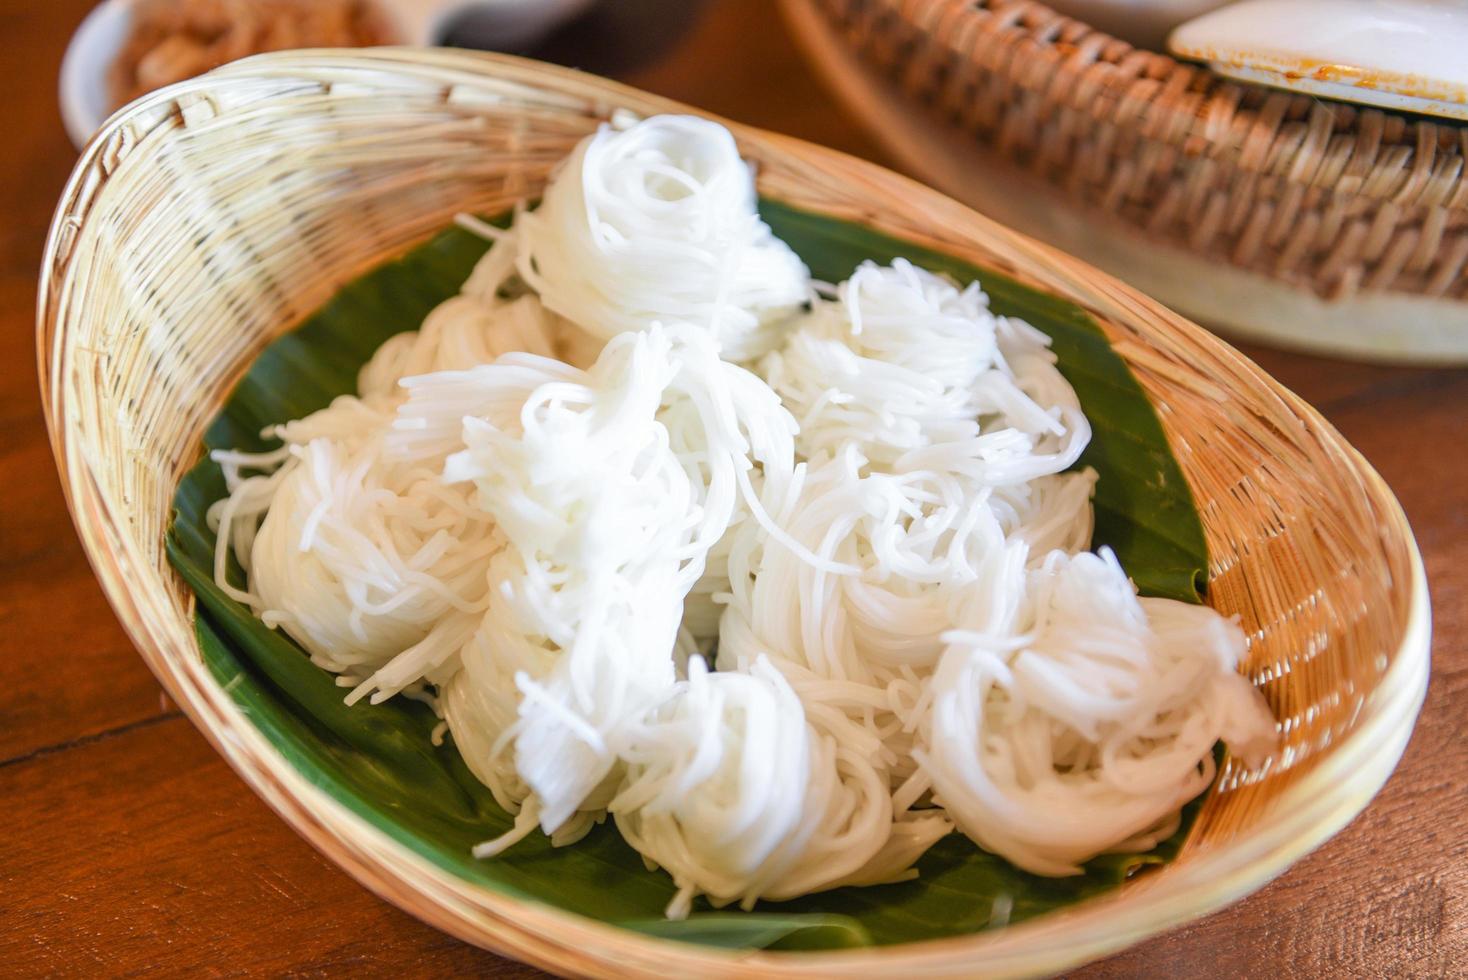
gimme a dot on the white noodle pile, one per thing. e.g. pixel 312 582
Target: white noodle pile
pixel 935 430
pixel 938 436
pixel 543 507
pixel 740 795
pixel 586 599
pixel 919 375
pixel 367 561
pixel 610 486
pixel 1074 718
pixel 657 223
pixel 362 563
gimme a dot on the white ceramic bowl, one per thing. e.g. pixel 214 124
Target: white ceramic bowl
pixel 86 102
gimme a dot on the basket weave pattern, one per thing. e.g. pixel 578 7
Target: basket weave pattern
pixel 1325 196
pixel 212 216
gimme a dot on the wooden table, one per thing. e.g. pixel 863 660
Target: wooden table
pixel 131 847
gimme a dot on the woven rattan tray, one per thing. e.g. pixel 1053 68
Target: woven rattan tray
pixel 1275 216
pixel 208 218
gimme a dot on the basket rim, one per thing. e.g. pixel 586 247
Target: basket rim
pixel 1324 799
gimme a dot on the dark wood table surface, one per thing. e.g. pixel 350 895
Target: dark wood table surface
pixel 130 847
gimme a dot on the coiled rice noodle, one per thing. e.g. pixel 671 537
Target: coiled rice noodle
pixel 657 223
pixel 1073 718
pixel 740 795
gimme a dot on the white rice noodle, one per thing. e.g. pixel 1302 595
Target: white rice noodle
pixel 740 794
pixel 657 223
pixel 611 487
pixel 464 331
pixel 365 557
pixel 867 642
pixel 430 421
pixel 578 475
pixel 460 333
pixel 358 563
pixel 935 432
pixel 739 440
pixel 1069 717
pixel 919 375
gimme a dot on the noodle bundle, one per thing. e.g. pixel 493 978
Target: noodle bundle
pixel 657 223
pixel 1075 718
pixel 595 508
pixel 610 486
pixel 918 374
pixel 741 795
pixel 362 565
pixel 361 557
pixel 934 431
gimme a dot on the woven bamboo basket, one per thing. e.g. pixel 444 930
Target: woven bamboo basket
pixel 209 218
pixel 1278 217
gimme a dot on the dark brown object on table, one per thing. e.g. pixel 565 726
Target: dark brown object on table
pixel 131 846
pixel 172 40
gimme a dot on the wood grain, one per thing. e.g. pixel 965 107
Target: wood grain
pixel 133 848
pixel 142 849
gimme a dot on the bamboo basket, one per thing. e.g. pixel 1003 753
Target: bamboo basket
pixel 1279 217
pixel 209 218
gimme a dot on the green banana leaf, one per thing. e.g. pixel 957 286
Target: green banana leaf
pixel 378 760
